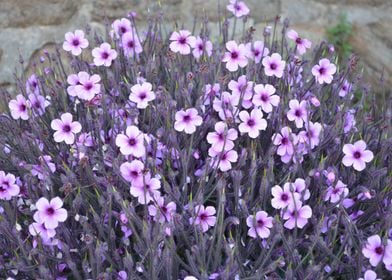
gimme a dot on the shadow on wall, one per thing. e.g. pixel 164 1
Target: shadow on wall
pixel 43 22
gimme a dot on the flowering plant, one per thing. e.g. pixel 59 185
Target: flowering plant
pixel 177 156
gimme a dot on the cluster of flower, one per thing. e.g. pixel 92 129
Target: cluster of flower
pixel 161 150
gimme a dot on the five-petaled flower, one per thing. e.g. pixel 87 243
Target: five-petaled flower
pixel 187 120
pixel 131 44
pixel 252 123
pixel 75 42
pixel 259 225
pixel 323 72
pixel 274 65
pixel 235 56
pixel 8 187
pixel 132 142
pixel 297 215
pixel 87 86
pixel 104 55
pixel 297 112
pixel 356 155
pixel 132 171
pixel 182 42
pixel 65 129
pixel 146 189
pixel 38 228
pixel 19 108
pixel 265 97
pixel 376 251
pixel 141 94
pixel 301 43
pixel 238 8
pixel 51 213
pixel 204 217
pixel 201 47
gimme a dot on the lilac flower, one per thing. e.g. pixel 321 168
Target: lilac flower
pixel 65 129
pixel 312 134
pixel 144 190
pixel 131 44
pixel 374 250
pixel 259 225
pixel 256 51
pixel 265 97
pixel 299 187
pixel 283 197
pixel 104 55
pixel 211 91
pixel 32 85
pixel 162 212
pixel 223 137
pixel 8 187
pixel 297 215
pixel 285 140
pixel 201 47
pixel 349 121
pixel 141 94
pixel 132 142
pixel 223 159
pixel 187 120
pixel 345 89
pixel 336 193
pixel 38 228
pixel 323 72
pixel 302 44
pixel 274 65
pixel 19 108
pixel 38 103
pixel 182 42
pixel 235 56
pixel 88 86
pixel 297 112
pixel 252 123
pixel 369 275
pixel 226 104
pixel 242 88
pixel 238 8
pixel 51 213
pixel 356 155
pixel 75 42
pixel 122 26
pixel 204 217
pixel 41 170
pixel 132 171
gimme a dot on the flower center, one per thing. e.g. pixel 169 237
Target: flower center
pixel 134 173
pixel 322 70
pixel 130 44
pixel 203 216
pixel 264 97
pixel 50 211
pixel 298 41
pixel 260 223
pixel 2 189
pixel 251 122
pixel 123 29
pixel 285 141
pixel 88 86
pixel 142 95
pixel 379 250
pixel 256 52
pixel 22 107
pixel 298 113
pixel 273 66
pixel 105 55
pixel 75 42
pixel 200 47
pixel 132 141
pixel 182 40
pixel 357 154
pixel 284 197
pixel 234 55
pixel 186 118
pixel 66 128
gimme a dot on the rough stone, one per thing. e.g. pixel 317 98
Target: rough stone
pixel 22 13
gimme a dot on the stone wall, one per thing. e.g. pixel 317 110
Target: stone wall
pixel 28 26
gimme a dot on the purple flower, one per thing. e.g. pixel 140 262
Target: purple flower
pixel 256 51
pixel 131 44
pixel 252 123
pixel 238 8
pixel 75 42
pixel 285 140
pixel 132 142
pixel 182 42
pixel 121 26
pixel 223 159
pixel 265 97
pixel 274 65
pixel 242 88
pixel 297 112
pixel 104 55
pixel 38 103
pixel 369 275
pixel 39 228
pixel 141 94
pixel 336 193
pixel 19 108
pixel 132 171
pixel 187 120
pixel 162 212
pixel 8 187
pixel 204 217
pixel 223 137
pixel 65 129
pixel 356 155
pixel 297 215
pixel 376 252
pixel 235 56
pixel 323 72
pixel 259 225
pixel 51 213
pixel 87 87
pixel 312 134
pixel 302 44
pixel 345 89
pixel 283 197
pixel 147 188
pixel 201 47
